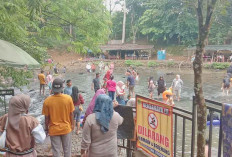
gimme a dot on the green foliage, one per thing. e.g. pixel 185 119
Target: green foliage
pixel 175 50
pixel 171 63
pixel 117 19
pixel 207 65
pixel 221 28
pixel 36 25
pixel 133 63
pixel 169 22
pixel 85 23
pixel 19 76
pixel 17 27
pixel 217 65
pixel 152 64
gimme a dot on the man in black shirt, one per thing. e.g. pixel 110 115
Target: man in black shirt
pixel 96 83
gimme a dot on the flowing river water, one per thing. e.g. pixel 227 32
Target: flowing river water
pixel 212 81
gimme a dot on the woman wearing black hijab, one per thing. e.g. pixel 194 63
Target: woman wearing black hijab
pixel 161 85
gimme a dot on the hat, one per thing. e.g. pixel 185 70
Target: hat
pixel 57 85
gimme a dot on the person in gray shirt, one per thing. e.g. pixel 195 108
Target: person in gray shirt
pixel 177 84
pixel 96 83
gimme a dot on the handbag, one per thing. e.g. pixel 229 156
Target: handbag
pixel 3 136
pixel 81 108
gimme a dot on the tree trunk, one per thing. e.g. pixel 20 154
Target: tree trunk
pixel 124 23
pixel 134 39
pixel 203 33
pixel 70 30
pixel 199 99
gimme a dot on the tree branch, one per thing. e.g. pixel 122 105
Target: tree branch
pixel 200 14
pixel 210 8
pixel 46 14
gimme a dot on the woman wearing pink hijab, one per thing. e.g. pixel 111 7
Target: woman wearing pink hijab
pixel 92 104
pixel 120 93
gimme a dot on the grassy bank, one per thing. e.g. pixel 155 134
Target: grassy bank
pixel 174 64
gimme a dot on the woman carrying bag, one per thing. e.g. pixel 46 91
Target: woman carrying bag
pixel 99 138
pixel 22 130
pixel 78 101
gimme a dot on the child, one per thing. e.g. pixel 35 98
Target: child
pixel 169 100
pixel 151 87
pixel 137 78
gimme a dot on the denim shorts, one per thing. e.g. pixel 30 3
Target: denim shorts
pixel 77 114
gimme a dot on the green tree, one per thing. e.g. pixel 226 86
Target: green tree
pixel 204 23
pixel 16 26
pixel 82 24
pixel 222 24
pixel 169 21
pixel 136 10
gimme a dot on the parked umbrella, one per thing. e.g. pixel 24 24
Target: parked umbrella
pixel 12 55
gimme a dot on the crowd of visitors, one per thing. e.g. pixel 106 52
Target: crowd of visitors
pixel 63 110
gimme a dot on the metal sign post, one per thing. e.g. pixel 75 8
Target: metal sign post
pixel 5 92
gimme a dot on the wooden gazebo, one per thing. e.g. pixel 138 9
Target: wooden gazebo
pixel 116 50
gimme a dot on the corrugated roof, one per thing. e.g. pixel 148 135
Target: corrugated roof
pixel 215 48
pixel 125 47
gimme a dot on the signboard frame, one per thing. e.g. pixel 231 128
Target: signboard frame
pixel 161 104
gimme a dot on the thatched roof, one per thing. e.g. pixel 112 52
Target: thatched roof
pixel 110 47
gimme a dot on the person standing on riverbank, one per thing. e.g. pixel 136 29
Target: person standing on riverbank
pixel 177 85
pixel 99 138
pixel 42 81
pixel 78 101
pixel 55 69
pixel 111 87
pixel 58 111
pixel 49 81
pixel 68 88
pixel 23 130
pixel 161 85
pixel 130 83
pixel 96 83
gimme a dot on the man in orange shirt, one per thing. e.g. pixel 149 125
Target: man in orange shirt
pixel 58 110
pixel 42 81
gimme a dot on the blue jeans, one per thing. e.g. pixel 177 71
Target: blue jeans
pixel 111 95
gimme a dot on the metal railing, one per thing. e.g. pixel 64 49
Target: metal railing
pixel 190 118
pixel 218 109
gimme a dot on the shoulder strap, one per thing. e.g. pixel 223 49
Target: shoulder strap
pixel 6 123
